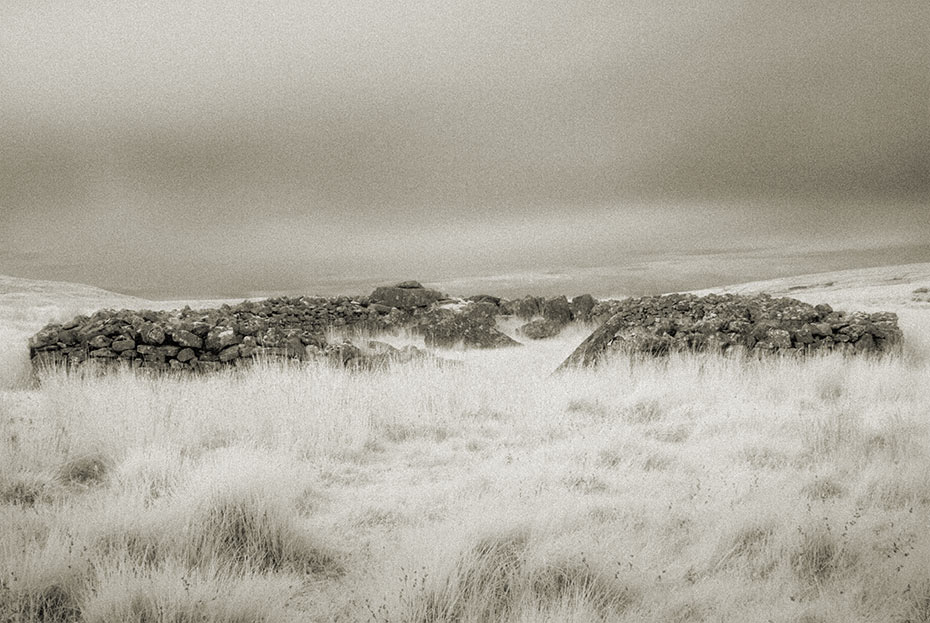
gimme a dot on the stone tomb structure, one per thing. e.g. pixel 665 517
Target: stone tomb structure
pixel 297 328
pixel 759 324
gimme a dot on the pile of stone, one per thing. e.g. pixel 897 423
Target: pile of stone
pixel 296 328
pixel 658 325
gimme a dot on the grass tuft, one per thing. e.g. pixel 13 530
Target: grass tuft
pixel 178 595
pixel 85 470
pixel 577 582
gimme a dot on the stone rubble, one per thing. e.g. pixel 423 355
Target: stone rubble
pixel 760 324
pixel 296 328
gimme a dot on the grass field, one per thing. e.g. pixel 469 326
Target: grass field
pixel 694 488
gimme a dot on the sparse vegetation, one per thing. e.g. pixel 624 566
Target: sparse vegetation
pixel 695 487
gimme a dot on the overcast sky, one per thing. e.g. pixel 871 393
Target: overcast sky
pixel 182 148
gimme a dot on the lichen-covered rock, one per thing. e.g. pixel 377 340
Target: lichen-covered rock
pixel 152 334
pixel 186 339
pixel 221 337
pixel 684 322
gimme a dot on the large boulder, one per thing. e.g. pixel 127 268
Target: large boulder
pixel 474 326
pixel 557 309
pixel 659 325
pixel 582 307
pixel 540 329
pixel 405 295
pixel 525 308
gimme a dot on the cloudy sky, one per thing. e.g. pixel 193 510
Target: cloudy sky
pixel 183 149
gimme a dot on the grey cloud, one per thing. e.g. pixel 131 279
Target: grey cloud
pixel 322 140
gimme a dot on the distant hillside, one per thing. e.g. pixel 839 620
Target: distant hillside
pixel 28 304
pixel 868 289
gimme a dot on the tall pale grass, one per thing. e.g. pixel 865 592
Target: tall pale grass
pixel 481 489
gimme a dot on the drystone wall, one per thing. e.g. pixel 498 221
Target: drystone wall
pixel 204 340
pixel 297 328
pixel 760 324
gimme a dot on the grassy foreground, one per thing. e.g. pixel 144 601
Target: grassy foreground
pixel 695 488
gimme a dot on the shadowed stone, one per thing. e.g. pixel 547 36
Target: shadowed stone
pixel 122 345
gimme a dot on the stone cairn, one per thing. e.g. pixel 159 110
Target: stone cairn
pixel 760 324
pixel 294 328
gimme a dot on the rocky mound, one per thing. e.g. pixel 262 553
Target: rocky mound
pixel 198 339
pixel 658 325
pixel 204 340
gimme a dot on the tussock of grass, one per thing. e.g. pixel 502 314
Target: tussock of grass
pixel 823 488
pixel 747 549
pixel 577 583
pixel 127 594
pixel 23 489
pixel 498 578
pixel 817 556
pixel 86 470
pixel 43 581
pixel 233 512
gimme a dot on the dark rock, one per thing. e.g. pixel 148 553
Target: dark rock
pixel 540 329
pixel 557 309
pixel 103 353
pixel 152 334
pixel 724 323
pixel 405 298
pixel 46 337
pixel 471 327
pixel 187 339
pixel 122 344
pixel 485 298
pixel 186 354
pixel 582 306
pixel 100 341
pixel 525 308
pixel 68 337
pixel 804 335
pixel 409 285
pixel 821 329
pixel 229 353
pixel 221 337
pixel 168 351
